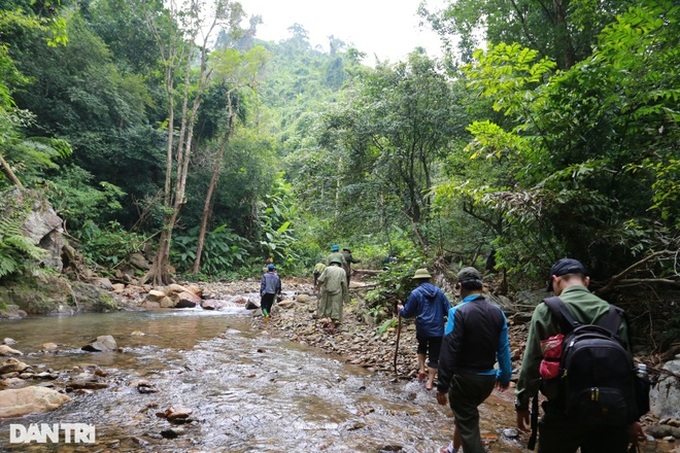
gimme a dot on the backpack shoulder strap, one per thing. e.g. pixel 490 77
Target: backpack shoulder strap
pixel 561 312
pixel 612 319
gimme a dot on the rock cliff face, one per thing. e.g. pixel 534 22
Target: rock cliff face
pixel 40 223
pixel 48 293
pixel 44 227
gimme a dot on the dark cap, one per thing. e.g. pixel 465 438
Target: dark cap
pixel 467 274
pixel 566 266
pixel 271 267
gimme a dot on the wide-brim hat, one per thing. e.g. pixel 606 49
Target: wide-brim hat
pixel 421 273
pixel 336 261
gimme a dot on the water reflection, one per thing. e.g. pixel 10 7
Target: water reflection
pixel 249 390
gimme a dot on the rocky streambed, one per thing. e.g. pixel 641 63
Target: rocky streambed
pixel 179 377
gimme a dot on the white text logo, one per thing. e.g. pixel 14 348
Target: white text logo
pixel 69 433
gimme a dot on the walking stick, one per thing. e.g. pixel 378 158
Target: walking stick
pixel 396 349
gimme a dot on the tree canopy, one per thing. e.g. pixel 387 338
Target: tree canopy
pixel 558 137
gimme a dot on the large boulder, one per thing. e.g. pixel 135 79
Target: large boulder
pixel 665 395
pixel 29 400
pixel 41 225
pixel 95 298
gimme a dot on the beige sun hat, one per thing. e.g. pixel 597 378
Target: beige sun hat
pixel 421 273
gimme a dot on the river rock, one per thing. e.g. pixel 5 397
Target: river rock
pixel 12 365
pixel 49 346
pixel 137 260
pixel 102 282
pixel 29 400
pixel 187 299
pixel 662 431
pixel 167 302
pixel 303 298
pixel 9 341
pixel 177 414
pixel 251 305
pixel 213 304
pixel 6 350
pixel 12 382
pixel 665 395
pixel 155 295
pixel 286 303
pixel 149 305
pixel 103 343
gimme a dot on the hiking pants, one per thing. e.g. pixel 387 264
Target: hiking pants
pixel 559 434
pixel 266 302
pixel 466 393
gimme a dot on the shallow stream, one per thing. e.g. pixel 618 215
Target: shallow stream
pixel 249 390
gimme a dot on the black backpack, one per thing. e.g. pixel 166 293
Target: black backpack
pixel 597 374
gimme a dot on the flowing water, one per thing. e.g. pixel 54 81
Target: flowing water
pixel 250 391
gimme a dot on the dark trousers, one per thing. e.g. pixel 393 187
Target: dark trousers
pixel 559 434
pixel 266 302
pixel 466 393
pixel 430 346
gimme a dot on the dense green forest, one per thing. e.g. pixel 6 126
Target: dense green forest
pixel 545 131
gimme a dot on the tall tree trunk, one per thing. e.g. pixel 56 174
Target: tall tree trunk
pixel 159 273
pixel 214 178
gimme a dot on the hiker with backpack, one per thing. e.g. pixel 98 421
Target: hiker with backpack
pixel 578 355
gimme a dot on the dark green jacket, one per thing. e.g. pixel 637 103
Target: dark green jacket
pixel 585 307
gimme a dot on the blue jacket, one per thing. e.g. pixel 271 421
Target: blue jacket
pixel 429 305
pixel 270 284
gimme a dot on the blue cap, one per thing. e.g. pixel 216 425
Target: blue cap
pixel 335 248
pixel 271 267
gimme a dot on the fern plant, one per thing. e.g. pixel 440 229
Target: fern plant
pixel 18 254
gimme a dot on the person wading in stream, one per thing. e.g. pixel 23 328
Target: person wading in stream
pixel 429 305
pixel 335 292
pixel 476 335
pixel 270 287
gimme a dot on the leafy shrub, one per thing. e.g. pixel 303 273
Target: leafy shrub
pixel 108 246
pixel 77 201
pixel 223 251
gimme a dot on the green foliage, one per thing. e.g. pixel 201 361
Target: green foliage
pixel 277 213
pixel 582 151
pixel 223 252
pixel 564 32
pixel 386 325
pixel 18 254
pixel 79 202
pixel 107 246
pixel 395 282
